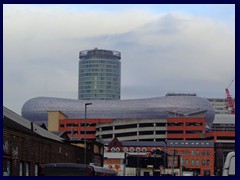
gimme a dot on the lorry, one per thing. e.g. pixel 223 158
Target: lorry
pixel 229 165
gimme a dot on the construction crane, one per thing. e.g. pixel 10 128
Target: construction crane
pixel 230 99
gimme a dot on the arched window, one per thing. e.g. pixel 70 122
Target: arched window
pixel 138 149
pixel 131 149
pixel 105 149
pixel 117 149
pixel 144 149
pixel 113 149
pixel 125 149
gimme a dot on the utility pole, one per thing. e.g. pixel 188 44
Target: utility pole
pixel 85 137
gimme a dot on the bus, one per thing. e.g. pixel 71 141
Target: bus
pixel 73 169
pixel 229 165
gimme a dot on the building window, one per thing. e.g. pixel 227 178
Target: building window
pixel 105 149
pixel 175 152
pixel 197 152
pixel 27 168
pixel 21 168
pixel 192 152
pixel 36 170
pixel 203 152
pixel 8 170
pixel 197 162
pixel 182 152
pixel 125 149
pixel 186 162
pixel 208 153
pixel 186 152
pixel 144 149
pixel 117 149
pixel 131 149
pixel 113 149
pixel 138 150
pixel 208 162
pixel 203 162
pixel 192 162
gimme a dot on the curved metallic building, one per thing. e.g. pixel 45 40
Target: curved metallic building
pixel 99 75
pixel 36 109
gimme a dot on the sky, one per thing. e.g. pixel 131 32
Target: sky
pixel 164 48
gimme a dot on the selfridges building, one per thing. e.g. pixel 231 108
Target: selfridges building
pixel 36 109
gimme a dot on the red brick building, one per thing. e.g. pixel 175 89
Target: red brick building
pixel 197 156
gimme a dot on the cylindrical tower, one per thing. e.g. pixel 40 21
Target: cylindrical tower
pixel 99 75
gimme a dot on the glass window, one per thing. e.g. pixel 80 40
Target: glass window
pixel 186 152
pixel 186 162
pixel 203 152
pixel 208 162
pixel 182 152
pixel 197 152
pixel 138 150
pixel 8 168
pixel 144 149
pixel 21 169
pixel 197 162
pixel 176 152
pixel 27 169
pixel 208 153
pixel 203 162
pixel 192 152
pixel 36 170
pixel 192 162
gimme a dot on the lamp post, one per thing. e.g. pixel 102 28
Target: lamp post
pixel 165 151
pixel 85 137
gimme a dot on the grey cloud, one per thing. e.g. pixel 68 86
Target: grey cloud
pixel 171 54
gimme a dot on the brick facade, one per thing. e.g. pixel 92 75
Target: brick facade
pixel 25 150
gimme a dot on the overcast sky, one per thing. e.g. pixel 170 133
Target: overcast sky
pixel 164 48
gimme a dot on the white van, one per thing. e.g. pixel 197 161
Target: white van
pixel 229 165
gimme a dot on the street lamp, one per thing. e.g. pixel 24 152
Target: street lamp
pixel 165 151
pixel 85 138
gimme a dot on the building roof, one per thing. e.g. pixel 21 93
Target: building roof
pixel 36 109
pixel 224 119
pixel 190 143
pixel 139 143
pixel 23 124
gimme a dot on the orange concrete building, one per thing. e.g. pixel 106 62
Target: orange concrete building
pixel 75 128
